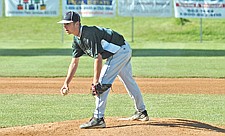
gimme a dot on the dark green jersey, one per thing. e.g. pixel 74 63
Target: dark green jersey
pixel 90 42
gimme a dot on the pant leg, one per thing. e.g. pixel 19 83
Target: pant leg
pixel 131 86
pixel 109 72
pixel 100 104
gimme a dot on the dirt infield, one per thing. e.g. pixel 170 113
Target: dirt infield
pixel 156 126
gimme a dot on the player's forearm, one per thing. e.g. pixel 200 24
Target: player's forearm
pixel 71 71
pixel 70 74
pixel 97 68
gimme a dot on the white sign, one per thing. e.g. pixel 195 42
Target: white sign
pixel 32 7
pixel 156 8
pixel 0 8
pixel 199 8
pixel 90 8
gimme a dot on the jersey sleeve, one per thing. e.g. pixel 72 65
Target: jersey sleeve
pixel 76 50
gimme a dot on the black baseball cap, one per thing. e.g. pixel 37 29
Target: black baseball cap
pixel 70 17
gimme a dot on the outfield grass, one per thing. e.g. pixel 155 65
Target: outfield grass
pixel 19 110
pixel 146 29
pixel 157 60
pixel 32 46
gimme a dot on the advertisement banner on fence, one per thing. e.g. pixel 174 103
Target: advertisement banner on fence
pixel 90 8
pixel 156 8
pixel 32 7
pixel 0 8
pixel 199 8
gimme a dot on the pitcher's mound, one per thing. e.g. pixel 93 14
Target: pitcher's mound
pixel 118 127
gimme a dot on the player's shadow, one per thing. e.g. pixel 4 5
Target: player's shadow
pixel 181 123
pixel 190 124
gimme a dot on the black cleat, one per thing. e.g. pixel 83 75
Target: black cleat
pixel 94 123
pixel 142 116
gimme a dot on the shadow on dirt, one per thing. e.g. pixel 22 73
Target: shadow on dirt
pixel 188 124
pixel 181 123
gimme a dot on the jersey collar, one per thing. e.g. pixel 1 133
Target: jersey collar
pixel 80 32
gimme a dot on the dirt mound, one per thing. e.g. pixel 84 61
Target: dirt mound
pixel 115 127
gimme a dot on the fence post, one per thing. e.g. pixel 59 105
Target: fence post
pixel 200 30
pixel 62 35
pixel 132 29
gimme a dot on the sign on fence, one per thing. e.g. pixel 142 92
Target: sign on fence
pixel 199 8
pixel 90 8
pixel 31 7
pixel 156 8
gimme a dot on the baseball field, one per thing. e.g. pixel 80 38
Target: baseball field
pixel 182 80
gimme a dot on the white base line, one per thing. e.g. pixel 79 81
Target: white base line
pixel 124 119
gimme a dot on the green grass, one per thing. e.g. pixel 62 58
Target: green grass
pixel 210 67
pixel 32 46
pixel 19 110
pixel 146 29
pixel 153 60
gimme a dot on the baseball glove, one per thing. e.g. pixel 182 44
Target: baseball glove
pixel 98 89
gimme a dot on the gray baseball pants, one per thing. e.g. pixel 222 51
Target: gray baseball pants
pixel 118 65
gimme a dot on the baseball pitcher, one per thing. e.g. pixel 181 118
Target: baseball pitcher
pixel 102 43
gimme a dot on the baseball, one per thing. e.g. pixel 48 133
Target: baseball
pixel 65 91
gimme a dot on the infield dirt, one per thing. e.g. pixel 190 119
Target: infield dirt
pixel 115 127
